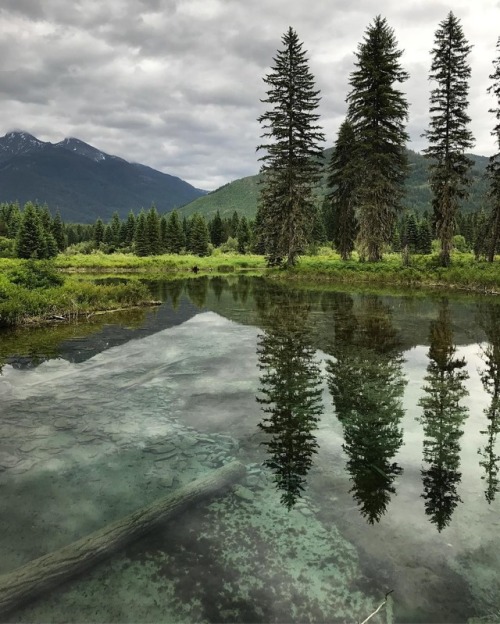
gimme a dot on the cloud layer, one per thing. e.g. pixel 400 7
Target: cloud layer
pixel 176 84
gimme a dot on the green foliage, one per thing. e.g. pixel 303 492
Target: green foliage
pixel 366 383
pixel 58 232
pixel 244 235
pixel 493 169
pixel 33 240
pixel 290 392
pixel 217 233
pixel 377 112
pixel 141 241
pixel 448 134
pixel 36 274
pixel 443 418
pixel 175 240
pixel 290 167
pixel 198 236
pixel 153 231
pixel 342 183
pixel 7 247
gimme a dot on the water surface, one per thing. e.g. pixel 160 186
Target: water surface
pixel 368 424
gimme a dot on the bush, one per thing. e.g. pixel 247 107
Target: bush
pixel 231 245
pixel 7 247
pixel 36 274
pixel 460 244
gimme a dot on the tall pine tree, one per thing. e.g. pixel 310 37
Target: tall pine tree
pixel 448 134
pixel 494 164
pixel 291 166
pixel 341 181
pixel 377 112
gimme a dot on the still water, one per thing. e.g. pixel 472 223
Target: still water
pixel 368 424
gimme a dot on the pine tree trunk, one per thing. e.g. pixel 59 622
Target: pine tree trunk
pixel 45 573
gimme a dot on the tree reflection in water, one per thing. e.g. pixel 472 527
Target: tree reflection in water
pixel 367 385
pixel 490 378
pixel 443 419
pixel 290 391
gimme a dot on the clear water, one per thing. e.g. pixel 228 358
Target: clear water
pixel 368 424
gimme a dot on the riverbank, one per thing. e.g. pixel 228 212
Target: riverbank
pixel 465 273
pixel 34 295
pixel 34 292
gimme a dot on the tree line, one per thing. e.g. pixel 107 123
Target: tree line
pixel 32 232
pixel 368 165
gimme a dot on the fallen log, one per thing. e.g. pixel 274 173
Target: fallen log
pixel 48 571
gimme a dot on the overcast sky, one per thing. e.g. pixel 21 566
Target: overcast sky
pixel 176 84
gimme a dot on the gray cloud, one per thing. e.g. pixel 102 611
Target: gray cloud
pixel 176 84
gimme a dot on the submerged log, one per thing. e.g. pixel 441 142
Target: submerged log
pixel 45 573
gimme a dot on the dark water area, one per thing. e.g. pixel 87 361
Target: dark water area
pixel 368 424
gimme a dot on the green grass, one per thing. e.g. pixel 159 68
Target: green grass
pixel 23 301
pixel 27 295
pixel 157 264
pixel 465 272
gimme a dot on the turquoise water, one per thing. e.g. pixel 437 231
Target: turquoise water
pixel 368 424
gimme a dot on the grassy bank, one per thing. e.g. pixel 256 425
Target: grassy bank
pixel 33 292
pixel 99 262
pixel 465 273
pixel 26 296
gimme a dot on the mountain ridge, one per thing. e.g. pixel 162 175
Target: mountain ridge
pixel 83 182
pixel 242 194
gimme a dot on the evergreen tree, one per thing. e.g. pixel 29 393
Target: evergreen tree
pixel 175 240
pixel 443 418
pixel 258 238
pixel 14 220
pixel 244 235
pixel 153 231
pixel 123 233
pixel 341 182
pixel 377 112
pixel 130 228
pixel 109 236
pixel 290 392
pixel 490 378
pixel 318 232
pixel 448 134
pixel 98 235
pixel 115 229
pixel 234 224
pixel 50 248
pixel 163 233
pixel 411 233
pixel 396 239
pixel 493 168
pixel 45 217
pixel 141 240
pixel 291 166
pixel 217 234
pixel 424 237
pixel 30 239
pixel 185 228
pixel 198 236
pixel 481 231
pixel 58 232
pixel 366 382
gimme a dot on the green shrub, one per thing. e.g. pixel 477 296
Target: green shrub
pixel 36 274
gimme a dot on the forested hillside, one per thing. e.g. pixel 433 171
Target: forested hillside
pixel 242 195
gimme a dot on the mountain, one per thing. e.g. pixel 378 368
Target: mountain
pixel 242 195
pixel 82 182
